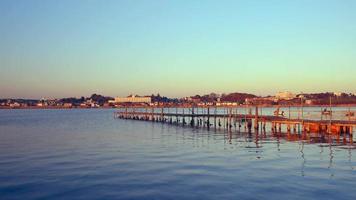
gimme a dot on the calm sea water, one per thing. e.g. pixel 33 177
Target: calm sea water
pixel 87 154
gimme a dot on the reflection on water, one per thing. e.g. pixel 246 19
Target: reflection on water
pixel 87 154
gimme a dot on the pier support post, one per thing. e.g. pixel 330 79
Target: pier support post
pixel 256 118
pixel 273 129
pixel 230 118
pixel 192 118
pixel 215 118
pixel 249 124
pixel 351 130
pixel 208 120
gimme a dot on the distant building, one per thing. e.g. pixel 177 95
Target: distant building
pixel 192 99
pixel 67 105
pixel 52 102
pixel 46 102
pixel 338 94
pixel 111 101
pixel 260 100
pixel 83 105
pixel 205 104
pixel 133 99
pixel 285 96
pixel 15 105
pixel 309 101
pixel 90 103
pixel 227 104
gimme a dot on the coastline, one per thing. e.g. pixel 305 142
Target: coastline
pixel 160 106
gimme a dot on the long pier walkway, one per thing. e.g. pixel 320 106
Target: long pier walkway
pixel 228 117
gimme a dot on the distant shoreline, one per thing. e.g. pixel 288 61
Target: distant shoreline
pixel 183 106
pixel 49 108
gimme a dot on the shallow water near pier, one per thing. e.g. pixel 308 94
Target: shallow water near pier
pixel 88 154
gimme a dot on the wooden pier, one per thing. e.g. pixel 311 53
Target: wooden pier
pixel 228 118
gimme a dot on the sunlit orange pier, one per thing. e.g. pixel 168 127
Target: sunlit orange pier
pixel 229 118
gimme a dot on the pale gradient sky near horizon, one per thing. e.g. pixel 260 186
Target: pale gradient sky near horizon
pixel 177 48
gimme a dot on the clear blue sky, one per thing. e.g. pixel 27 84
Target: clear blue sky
pixel 66 48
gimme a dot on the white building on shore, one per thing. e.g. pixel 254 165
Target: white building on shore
pixel 285 96
pixel 133 99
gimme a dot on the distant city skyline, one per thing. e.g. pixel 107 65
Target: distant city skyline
pixel 68 48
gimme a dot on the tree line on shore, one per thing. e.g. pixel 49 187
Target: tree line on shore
pixel 236 97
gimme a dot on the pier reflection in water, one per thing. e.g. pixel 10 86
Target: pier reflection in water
pixel 88 154
pixel 257 142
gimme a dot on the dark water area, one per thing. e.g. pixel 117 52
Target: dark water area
pixel 88 154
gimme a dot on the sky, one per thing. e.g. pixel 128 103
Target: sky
pixel 179 48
